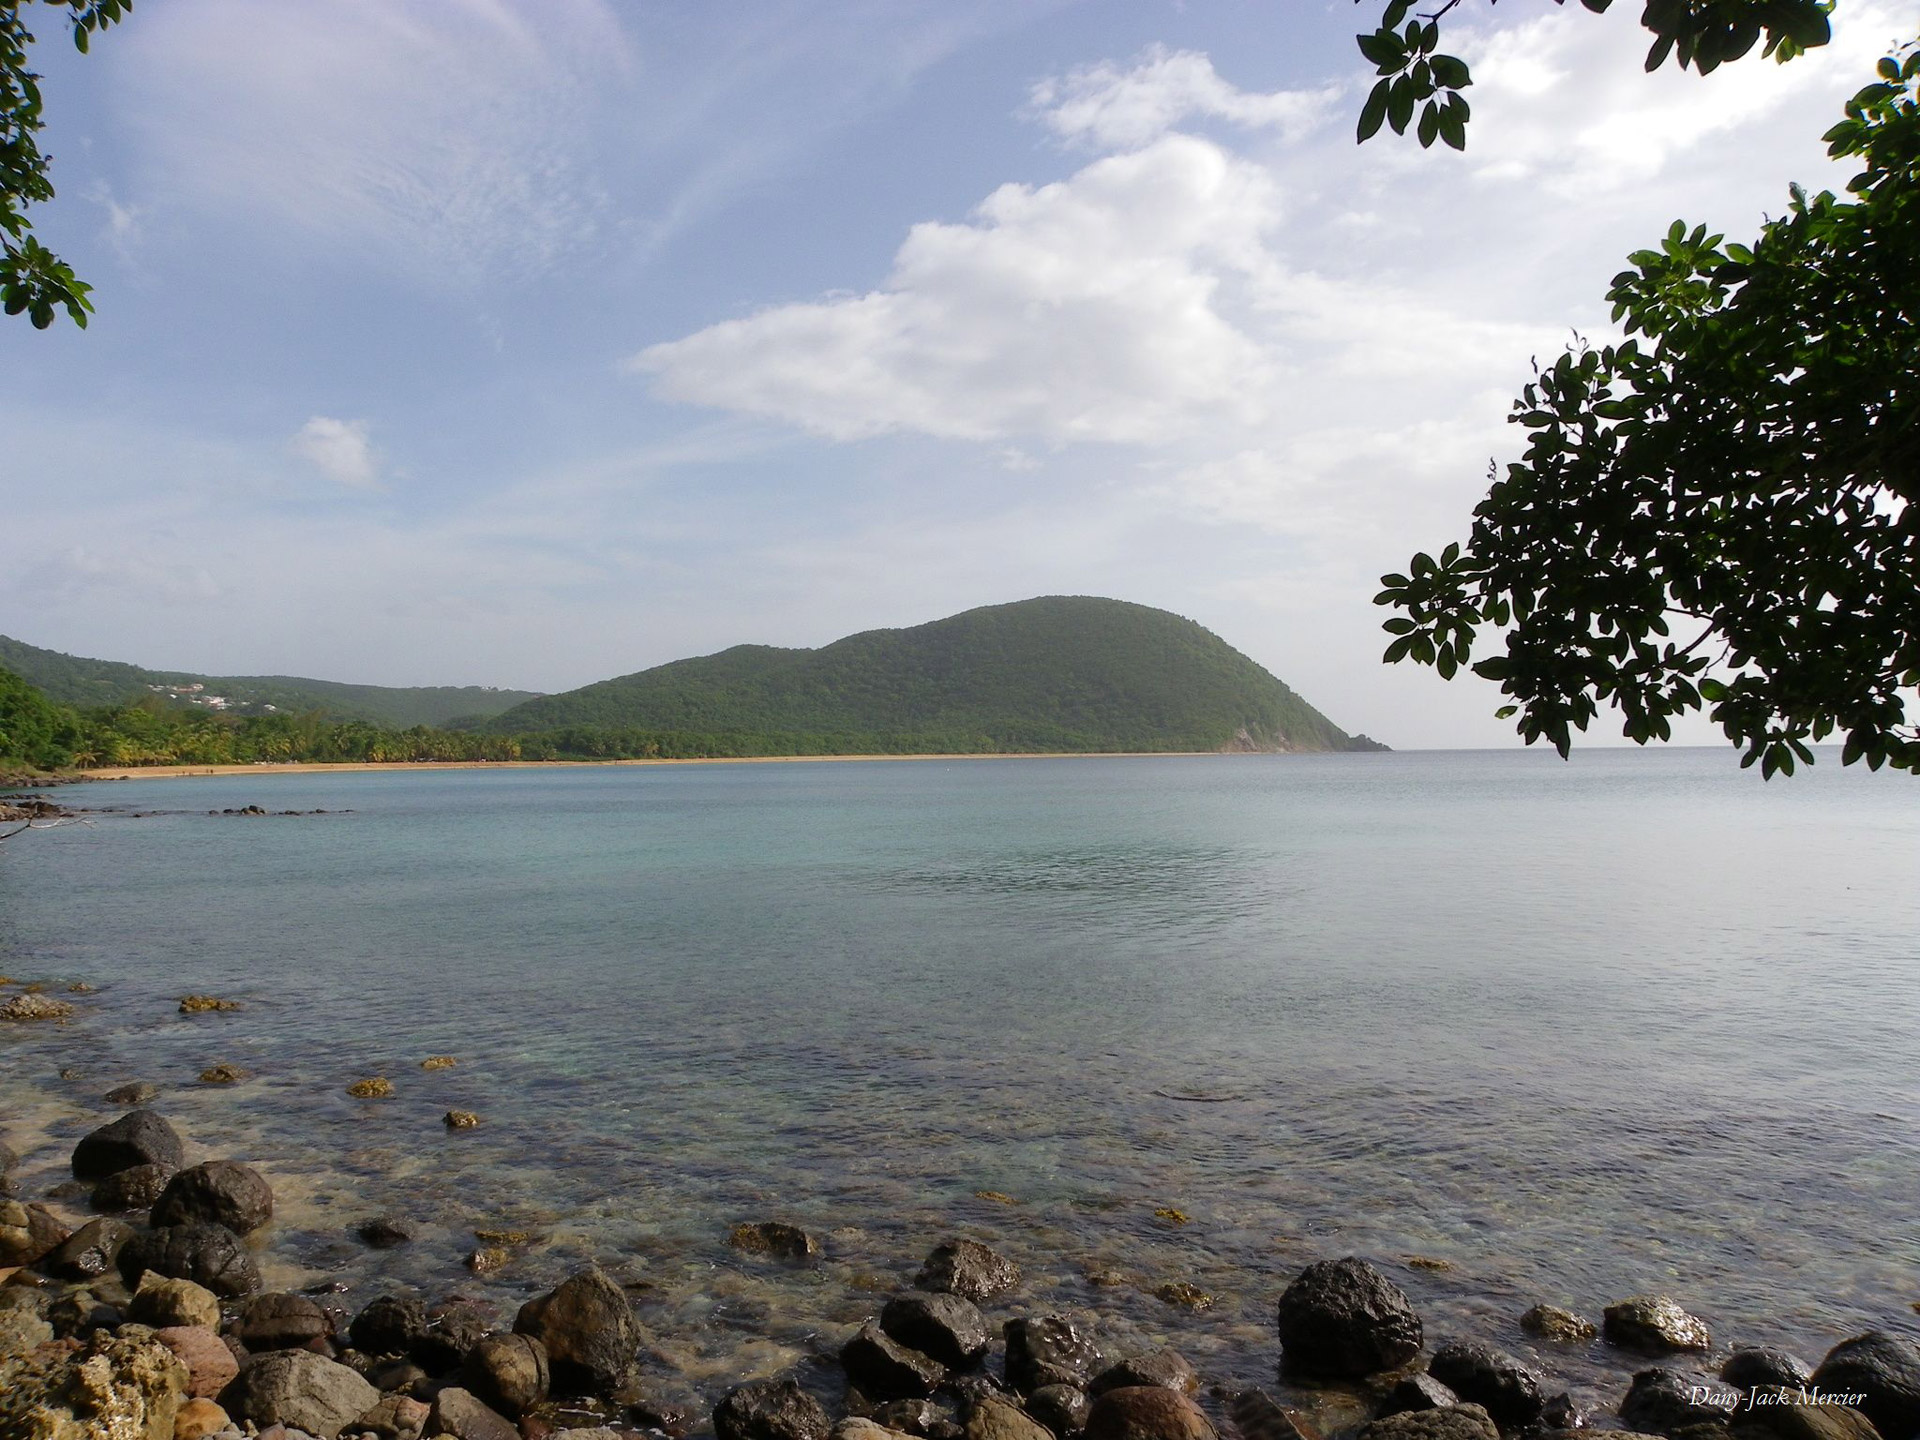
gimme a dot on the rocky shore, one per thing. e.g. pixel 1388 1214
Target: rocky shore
pixel 150 1321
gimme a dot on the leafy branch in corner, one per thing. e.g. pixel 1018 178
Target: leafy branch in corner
pixel 1699 34
pixel 33 280
pixel 1743 467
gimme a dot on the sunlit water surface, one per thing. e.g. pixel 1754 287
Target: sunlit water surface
pixel 1577 1030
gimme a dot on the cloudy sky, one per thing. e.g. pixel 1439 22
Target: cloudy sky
pixel 473 341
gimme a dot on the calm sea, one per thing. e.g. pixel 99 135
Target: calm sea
pixel 1576 1030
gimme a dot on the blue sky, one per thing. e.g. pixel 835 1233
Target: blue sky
pixel 529 344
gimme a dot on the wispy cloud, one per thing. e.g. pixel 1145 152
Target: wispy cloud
pixel 339 450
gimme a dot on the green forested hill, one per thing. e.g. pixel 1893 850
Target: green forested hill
pixel 72 680
pixel 1057 673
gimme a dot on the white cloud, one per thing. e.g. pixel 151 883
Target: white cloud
pixel 1115 108
pixel 340 450
pixel 1092 309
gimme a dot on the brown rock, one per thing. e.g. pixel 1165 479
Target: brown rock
pixel 27 1232
pixel 461 1414
pixel 162 1303
pixel 460 1119
pixel 1166 1367
pixel 224 1074
pixel 374 1087
pixel 771 1237
pixel 1563 1327
pixel 1147 1412
pixel 1458 1422
pixel 210 1364
pixel 397 1417
pixel 997 1419
pixel 508 1372
pixel 283 1322
pixel 588 1328
pixel 199 1418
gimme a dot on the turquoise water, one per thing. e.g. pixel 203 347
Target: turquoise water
pixel 1578 1030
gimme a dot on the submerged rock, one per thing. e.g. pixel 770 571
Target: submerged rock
pixel 588 1328
pixel 300 1390
pixel 460 1119
pixel 385 1231
pixel 1654 1323
pixel 1185 1294
pixel 205 1004
pixel 1343 1319
pixel 136 1092
pixel 220 1192
pixel 374 1087
pixel 968 1269
pixel 140 1137
pixel 438 1062
pixel 771 1237
pixel 1563 1327
pixel 1050 1350
pixel 225 1073
pixel 1884 1369
pixel 770 1410
pixel 1147 1412
pixel 208 1255
pixel 1505 1388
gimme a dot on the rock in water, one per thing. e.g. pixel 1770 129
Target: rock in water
pixel 588 1328
pixel 140 1137
pixel 461 1414
pixel 1661 1402
pixel 1459 1422
pixel 1563 1327
pixel 283 1322
pixel 997 1419
pixel 91 1250
pixel 885 1369
pixel 1050 1350
pixel 1147 1412
pixel 300 1390
pixel 1751 1365
pixel 160 1301
pixel 948 1327
pixel 1418 1392
pixel 770 1410
pixel 390 1325
pixel 210 1364
pixel 137 1187
pixel 508 1372
pixel 1061 1408
pixel 1654 1323
pixel 1343 1319
pixel 27 1232
pixel 220 1192
pixel 770 1237
pixel 115 1388
pixel 968 1269
pixel 1883 1368
pixel 1167 1368
pixel 35 1007
pixel 383 1232
pixel 1492 1379
pixel 136 1092
pixel 208 1255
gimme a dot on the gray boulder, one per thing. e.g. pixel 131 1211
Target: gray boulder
pixel 27 1232
pixel 1751 1365
pixel 948 1327
pixel 1343 1319
pixel 1884 1370
pixel 140 1137
pixel 1418 1392
pixel 770 1410
pixel 220 1192
pixel 284 1322
pixel 300 1390
pixel 209 1255
pixel 1061 1408
pixel 1505 1388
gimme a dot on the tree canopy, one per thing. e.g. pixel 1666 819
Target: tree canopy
pixel 33 280
pixel 1744 463
pixel 1701 34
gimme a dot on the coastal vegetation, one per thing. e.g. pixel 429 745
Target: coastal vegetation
pixel 1062 673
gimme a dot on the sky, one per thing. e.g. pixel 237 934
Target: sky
pixel 528 344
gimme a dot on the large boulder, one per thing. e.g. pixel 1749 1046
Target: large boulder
pixel 1166 1367
pixel 140 1137
pixel 1458 1422
pixel 300 1390
pixel 220 1192
pixel 135 1188
pixel 210 1364
pixel 113 1388
pixel 1663 1402
pixel 27 1232
pixel 209 1255
pixel 93 1249
pixel 1884 1371
pixel 588 1328
pixel 884 1369
pixel 1050 1350
pixel 283 1322
pixel 1655 1324
pixel 1504 1387
pixel 160 1301
pixel 1147 1412
pixel 390 1325
pixel 948 1327
pixel 968 1269
pixel 507 1372
pixel 1343 1319
pixel 770 1410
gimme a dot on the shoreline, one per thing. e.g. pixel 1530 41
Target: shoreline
pixel 320 767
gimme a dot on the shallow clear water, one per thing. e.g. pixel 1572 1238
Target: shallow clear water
pixel 1580 1030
